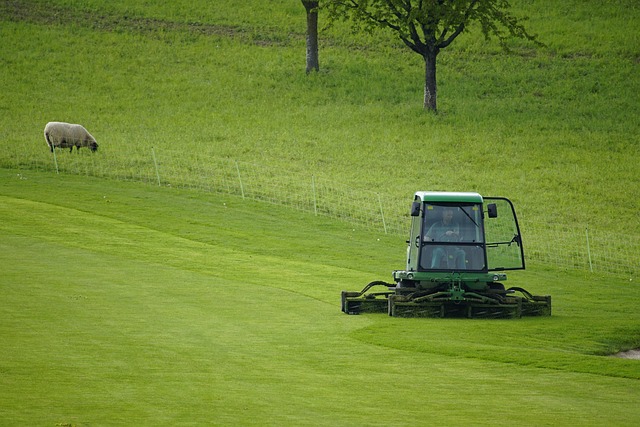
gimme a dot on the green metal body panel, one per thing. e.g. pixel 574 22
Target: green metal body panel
pixel 421 276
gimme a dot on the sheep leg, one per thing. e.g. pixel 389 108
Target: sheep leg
pixel 46 136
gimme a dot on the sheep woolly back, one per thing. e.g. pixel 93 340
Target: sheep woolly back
pixel 60 134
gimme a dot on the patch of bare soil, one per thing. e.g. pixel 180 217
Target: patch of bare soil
pixel 631 354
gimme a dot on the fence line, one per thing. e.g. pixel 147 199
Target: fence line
pixel 560 245
pixel 581 248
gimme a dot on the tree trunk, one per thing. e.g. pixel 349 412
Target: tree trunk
pixel 313 64
pixel 430 86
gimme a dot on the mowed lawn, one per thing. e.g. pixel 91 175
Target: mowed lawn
pixel 126 304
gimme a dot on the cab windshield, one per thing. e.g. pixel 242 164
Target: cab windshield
pixel 452 237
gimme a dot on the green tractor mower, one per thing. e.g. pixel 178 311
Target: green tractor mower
pixel 459 248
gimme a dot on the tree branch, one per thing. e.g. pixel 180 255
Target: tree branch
pixel 459 29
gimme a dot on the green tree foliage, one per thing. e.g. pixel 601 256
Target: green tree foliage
pixel 428 26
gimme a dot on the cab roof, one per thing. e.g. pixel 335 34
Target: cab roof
pixel 447 196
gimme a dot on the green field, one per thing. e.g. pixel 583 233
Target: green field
pixel 132 303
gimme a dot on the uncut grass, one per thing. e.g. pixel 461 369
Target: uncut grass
pixel 206 96
pixel 158 305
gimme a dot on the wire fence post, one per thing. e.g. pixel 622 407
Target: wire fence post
pixel 155 163
pixel 313 188
pixel 384 224
pixel 55 159
pixel 240 179
pixel 588 249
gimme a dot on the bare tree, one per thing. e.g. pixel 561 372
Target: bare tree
pixel 313 63
pixel 428 26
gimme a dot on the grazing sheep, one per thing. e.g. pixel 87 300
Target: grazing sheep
pixel 63 135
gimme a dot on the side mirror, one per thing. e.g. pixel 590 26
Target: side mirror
pixel 415 209
pixel 492 209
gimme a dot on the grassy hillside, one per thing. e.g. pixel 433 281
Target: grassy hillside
pixel 554 128
pixel 126 303
pixel 130 304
